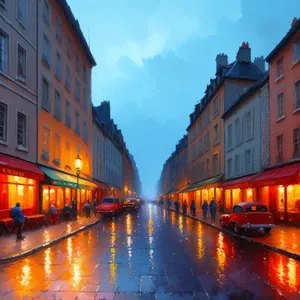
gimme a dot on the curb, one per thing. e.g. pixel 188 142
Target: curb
pixel 26 253
pixel 242 237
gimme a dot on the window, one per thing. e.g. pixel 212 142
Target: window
pixel 68 154
pixel 46 50
pixel 69 47
pixel 207 173
pixel 296 141
pixel 85 132
pixel 216 164
pixel 229 136
pixel 237 165
pixel 238 209
pixel 77 123
pixel 77 89
pixel 296 55
pixel 216 105
pixel 279 67
pixel 77 64
pixel 21 130
pixel 297 95
pixel 46 104
pixel 68 121
pixel 46 142
pixel 22 8
pixel 57 106
pixel 46 12
pixel 248 162
pixel 216 134
pixel 248 125
pixel 21 63
pixel 68 78
pixel 238 132
pixel 207 116
pixel 207 141
pixel 85 101
pixel 229 163
pixel 57 149
pixel 200 123
pixel 3 122
pixel 58 69
pixel 280 105
pixel 280 148
pixel 84 74
pixel 4 52
pixel 58 28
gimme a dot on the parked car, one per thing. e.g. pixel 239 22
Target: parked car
pixel 248 216
pixel 131 204
pixel 109 206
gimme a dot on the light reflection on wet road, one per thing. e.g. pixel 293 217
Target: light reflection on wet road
pixel 153 254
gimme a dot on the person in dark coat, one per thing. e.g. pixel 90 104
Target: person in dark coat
pixel 17 215
pixel 95 207
pixel 67 212
pixel 213 209
pixel 74 210
pixel 204 209
pixel 53 214
pixel 87 209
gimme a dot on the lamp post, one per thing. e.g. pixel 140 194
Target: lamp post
pixel 78 166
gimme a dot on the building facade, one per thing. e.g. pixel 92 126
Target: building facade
pixel 65 110
pixel 243 129
pixel 206 130
pixel 279 185
pixel 19 176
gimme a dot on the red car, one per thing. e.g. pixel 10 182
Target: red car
pixel 248 216
pixel 109 206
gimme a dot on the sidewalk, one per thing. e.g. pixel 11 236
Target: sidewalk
pixel 12 249
pixel 283 239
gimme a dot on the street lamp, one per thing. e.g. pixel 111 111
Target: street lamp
pixel 78 166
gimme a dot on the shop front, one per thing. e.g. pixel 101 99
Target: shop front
pixel 99 192
pixel 205 190
pixel 19 182
pixel 238 190
pixel 279 189
pixel 60 189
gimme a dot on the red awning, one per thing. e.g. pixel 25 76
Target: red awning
pixel 289 174
pixel 238 183
pixel 18 167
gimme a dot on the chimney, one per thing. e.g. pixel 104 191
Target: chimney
pixel 295 20
pixel 260 63
pixel 221 60
pixel 103 112
pixel 244 53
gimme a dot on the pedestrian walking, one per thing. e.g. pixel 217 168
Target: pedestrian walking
pixel 74 210
pixel 17 215
pixel 184 207
pixel 193 208
pixel 67 212
pixel 87 209
pixel 95 207
pixel 204 209
pixel 53 214
pixel 213 209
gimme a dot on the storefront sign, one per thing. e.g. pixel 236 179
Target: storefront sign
pixel 12 172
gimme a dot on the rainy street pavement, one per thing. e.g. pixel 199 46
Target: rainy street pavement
pixel 152 254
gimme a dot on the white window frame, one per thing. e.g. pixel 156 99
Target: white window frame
pixel 297 95
pixel 296 51
pixel 58 65
pixel 4 66
pixel 57 105
pixel 280 108
pixel 238 131
pixel 23 146
pixel 5 124
pixel 24 19
pixel 20 78
pixel 46 106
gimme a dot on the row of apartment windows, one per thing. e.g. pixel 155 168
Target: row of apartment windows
pixel 98 146
pixel 22 127
pixel 59 36
pixel 58 72
pixel 112 176
pixel 205 170
pixel 234 166
pixel 296 145
pixel 21 10
pixel 280 101
pixel 46 104
pixel 296 58
pixel 236 135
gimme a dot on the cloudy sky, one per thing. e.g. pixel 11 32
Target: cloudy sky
pixel 155 58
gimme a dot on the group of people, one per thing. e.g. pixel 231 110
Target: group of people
pixel 212 207
pixel 69 212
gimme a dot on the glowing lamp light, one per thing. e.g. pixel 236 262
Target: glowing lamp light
pixel 78 163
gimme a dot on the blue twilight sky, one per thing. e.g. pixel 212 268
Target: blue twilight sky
pixel 155 58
